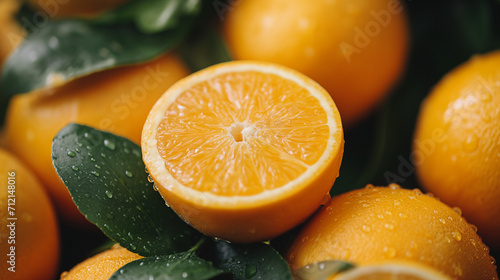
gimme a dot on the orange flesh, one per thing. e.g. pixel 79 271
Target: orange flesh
pixel 258 135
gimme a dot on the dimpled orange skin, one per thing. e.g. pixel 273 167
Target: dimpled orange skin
pixel 102 265
pixel 461 167
pixel 36 232
pixel 390 223
pixel 116 100
pixel 74 8
pixel 324 41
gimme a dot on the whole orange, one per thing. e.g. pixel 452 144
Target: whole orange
pixel 102 265
pixel 79 8
pixel 355 49
pixel 390 223
pixel 3 138
pixel 116 100
pixel 29 233
pixel 461 166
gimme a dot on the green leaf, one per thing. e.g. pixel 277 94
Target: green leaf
pixel 321 270
pixel 181 266
pixel 66 49
pixel 152 16
pixel 250 261
pixel 105 175
pixel 204 48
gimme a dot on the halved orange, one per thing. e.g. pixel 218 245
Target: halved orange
pixel 244 151
pixel 392 271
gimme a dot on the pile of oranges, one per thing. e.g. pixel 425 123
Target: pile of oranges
pixel 248 150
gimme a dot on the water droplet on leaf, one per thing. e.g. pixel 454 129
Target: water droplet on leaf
pixel 137 153
pixel 250 271
pixel 109 194
pixel 110 145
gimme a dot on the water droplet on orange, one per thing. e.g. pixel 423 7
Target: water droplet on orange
pixel 345 255
pixel 471 143
pixel 389 252
pixel 474 228
pixel 417 191
pixel 394 186
pixel 326 199
pixel 366 228
pixel 456 235
pixel 457 210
